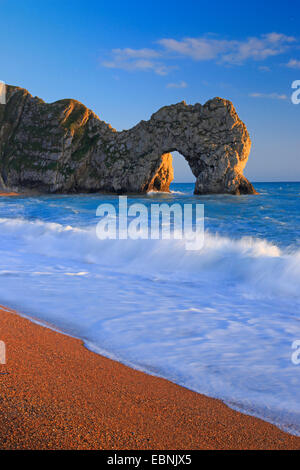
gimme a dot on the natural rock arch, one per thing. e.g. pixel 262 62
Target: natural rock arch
pixel 212 139
pixel 65 147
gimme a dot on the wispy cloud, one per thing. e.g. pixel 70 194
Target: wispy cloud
pixel 230 51
pixel 181 84
pixel 137 59
pixel 264 68
pixel 136 53
pixel 205 48
pixel 196 49
pixel 293 64
pixel 273 96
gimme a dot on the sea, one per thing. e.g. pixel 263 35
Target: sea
pixel 222 320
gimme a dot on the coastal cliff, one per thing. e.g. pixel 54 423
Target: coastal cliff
pixel 64 147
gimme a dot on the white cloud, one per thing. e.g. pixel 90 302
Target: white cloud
pixel 197 49
pixel 273 96
pixel 181 84
pixel 201 49
pixel 293 64
pixel 137 59
pixel 136 53
pixel 230 51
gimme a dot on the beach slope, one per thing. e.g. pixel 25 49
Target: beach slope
pixel 55 394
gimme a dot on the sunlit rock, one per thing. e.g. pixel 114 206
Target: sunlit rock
pixel 64 147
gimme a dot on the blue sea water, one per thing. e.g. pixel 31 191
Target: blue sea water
pixel 220 320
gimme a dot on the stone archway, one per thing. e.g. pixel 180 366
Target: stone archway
pixel 212 139
pixel 65 147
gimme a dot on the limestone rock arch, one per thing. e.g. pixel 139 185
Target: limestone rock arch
pixel 65 147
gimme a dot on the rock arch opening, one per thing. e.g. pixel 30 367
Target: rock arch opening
pixel 181 169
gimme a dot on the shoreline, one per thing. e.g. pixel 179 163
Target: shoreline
pixel 56 394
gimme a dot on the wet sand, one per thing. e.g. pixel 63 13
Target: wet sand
pixel 55 394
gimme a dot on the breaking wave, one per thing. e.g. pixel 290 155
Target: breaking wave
pixel 220 320
pixel 248 262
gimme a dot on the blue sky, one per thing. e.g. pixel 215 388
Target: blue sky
pixel 127 59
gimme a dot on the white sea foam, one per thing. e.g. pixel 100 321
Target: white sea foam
pixel 220 321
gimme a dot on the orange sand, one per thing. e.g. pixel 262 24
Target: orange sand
pixel 59 395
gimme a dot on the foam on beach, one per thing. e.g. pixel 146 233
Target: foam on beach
pixel 220 321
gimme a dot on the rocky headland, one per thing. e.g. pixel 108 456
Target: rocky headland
pixel 63 147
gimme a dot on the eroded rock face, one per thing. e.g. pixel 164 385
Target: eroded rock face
pixel 65 147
